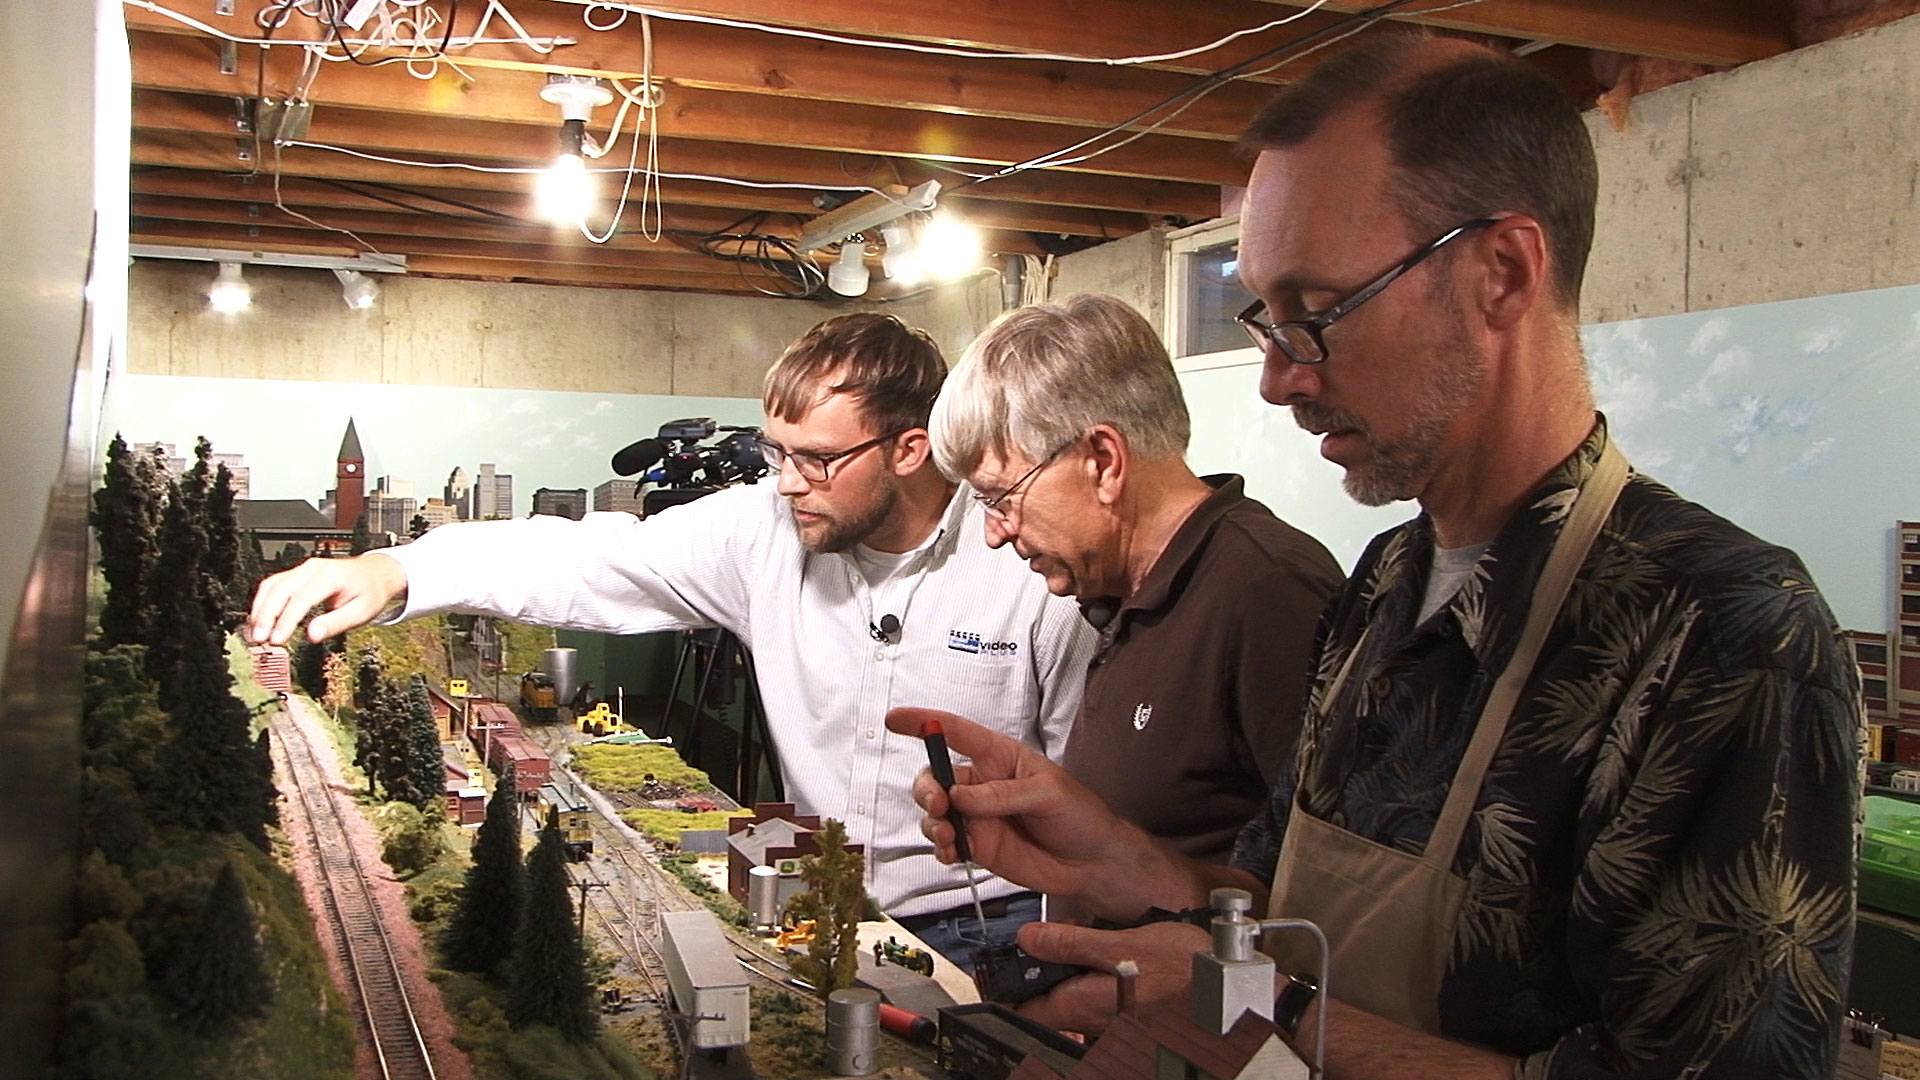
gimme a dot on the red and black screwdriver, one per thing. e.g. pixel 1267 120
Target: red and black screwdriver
pixel 940 763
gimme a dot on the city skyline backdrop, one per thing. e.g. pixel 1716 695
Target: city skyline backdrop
pixel 290 431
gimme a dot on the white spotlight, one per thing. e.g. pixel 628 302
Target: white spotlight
pixel 848 276
pixel 229 292
pixel 901 261
pixel 948 249
pixel 357 289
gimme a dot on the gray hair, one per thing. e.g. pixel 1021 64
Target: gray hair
pixel 1041 376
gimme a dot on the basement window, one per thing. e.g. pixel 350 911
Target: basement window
pixel 1204 294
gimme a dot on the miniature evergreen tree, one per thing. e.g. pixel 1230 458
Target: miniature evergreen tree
pixel 835 896
pixel 174 586
pixel 221 582
pixel 125 515
pixel 549 963
pixel 309 665
pixel 223 977
pixel 362 540
pixel 424 758
pixel 418 527
pixel 252 567
pixel 210 776
pixel 479 935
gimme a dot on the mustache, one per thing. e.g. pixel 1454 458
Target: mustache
pixel 1319 418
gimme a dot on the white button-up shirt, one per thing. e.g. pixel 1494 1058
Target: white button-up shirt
pixel 979 636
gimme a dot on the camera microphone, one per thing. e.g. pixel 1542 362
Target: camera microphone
pixel 888 629
pixel 639 456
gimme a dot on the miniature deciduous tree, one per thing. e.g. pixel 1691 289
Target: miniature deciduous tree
pixel 835 896
pixel 550 983
pixel 479 935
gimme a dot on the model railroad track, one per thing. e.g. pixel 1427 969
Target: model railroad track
pixel 358 934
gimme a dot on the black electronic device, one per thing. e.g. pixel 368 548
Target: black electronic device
pixel 1007 975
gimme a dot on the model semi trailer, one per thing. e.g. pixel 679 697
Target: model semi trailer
pixel 709 986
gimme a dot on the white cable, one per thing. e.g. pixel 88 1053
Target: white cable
pixel 459 42
pixel 932 50
pixel 522 170
pixel 650 183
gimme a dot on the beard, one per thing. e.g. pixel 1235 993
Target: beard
pixel 841 531
pixel 1395 469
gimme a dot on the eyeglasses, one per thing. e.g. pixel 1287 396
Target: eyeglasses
pixel 996 505
pixel 811 466
pixel 1300 340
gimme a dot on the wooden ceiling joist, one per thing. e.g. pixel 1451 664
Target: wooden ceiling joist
pixel 1718 33
pixel 175 63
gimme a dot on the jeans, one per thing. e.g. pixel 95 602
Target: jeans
pixel 957 934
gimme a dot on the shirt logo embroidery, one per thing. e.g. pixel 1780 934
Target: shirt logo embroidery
pixel 967 641
pixel 1142 713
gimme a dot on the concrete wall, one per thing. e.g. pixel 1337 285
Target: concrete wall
pixel 1793 177
pixel 460 333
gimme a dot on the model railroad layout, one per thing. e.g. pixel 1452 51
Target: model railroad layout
pixel 358 935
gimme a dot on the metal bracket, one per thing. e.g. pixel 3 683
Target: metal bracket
pixel 229 58
pixel 243 150
pixel 223 7
pixel 281 121
pixel 243 115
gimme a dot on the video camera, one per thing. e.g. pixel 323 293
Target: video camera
pixel 682 470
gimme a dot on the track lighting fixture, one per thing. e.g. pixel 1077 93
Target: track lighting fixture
pixel 848 276
pixel 948 248
pixel 357 289
pixel 866 213
pixel 229 292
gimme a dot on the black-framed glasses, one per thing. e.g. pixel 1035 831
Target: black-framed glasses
pixel 996 505
pixel 815 467
pixel 1300 340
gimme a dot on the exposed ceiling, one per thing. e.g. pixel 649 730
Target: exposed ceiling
pixel 741 102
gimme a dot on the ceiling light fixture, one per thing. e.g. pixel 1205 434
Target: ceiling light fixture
pixel 901 262
pixel 848 276
pixel 229 292
pixel 357 289
pixel 565 191
pixel 866 213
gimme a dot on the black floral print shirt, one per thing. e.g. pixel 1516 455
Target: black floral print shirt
pixel 1661 863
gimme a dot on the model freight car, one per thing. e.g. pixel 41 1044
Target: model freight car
pixel 489 720
pixel 531 766
pixel 708 984
pixel 988 1042
pixel 570 813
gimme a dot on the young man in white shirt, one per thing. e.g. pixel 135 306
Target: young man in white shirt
pixel 859 579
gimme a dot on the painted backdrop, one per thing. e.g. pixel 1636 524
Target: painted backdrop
pixel 1796 420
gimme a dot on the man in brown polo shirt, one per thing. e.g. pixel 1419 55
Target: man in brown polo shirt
pixel 1069 422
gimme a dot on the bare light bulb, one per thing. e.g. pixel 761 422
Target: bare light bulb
pixel 948 249
pixel 848 276
pixel 229 292
pixel 565 191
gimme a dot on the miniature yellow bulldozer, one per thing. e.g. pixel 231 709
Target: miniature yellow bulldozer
pixel 602 720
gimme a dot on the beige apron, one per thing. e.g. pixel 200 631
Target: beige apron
pixel 1389 916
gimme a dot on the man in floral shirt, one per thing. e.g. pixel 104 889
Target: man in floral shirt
pixel 1577 792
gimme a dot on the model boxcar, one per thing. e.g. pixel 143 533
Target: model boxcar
pixel 987 1042
pixel 531 766
pixel 570 813
pixel 708 984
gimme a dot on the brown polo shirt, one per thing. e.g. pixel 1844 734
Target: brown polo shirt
pixel 1193 699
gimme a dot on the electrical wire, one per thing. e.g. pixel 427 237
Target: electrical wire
pixel 1186 99
pixel 541 45
pixel 524 170
pixel 931 50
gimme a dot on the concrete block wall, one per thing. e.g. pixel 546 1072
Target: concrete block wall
pixel 1792 177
